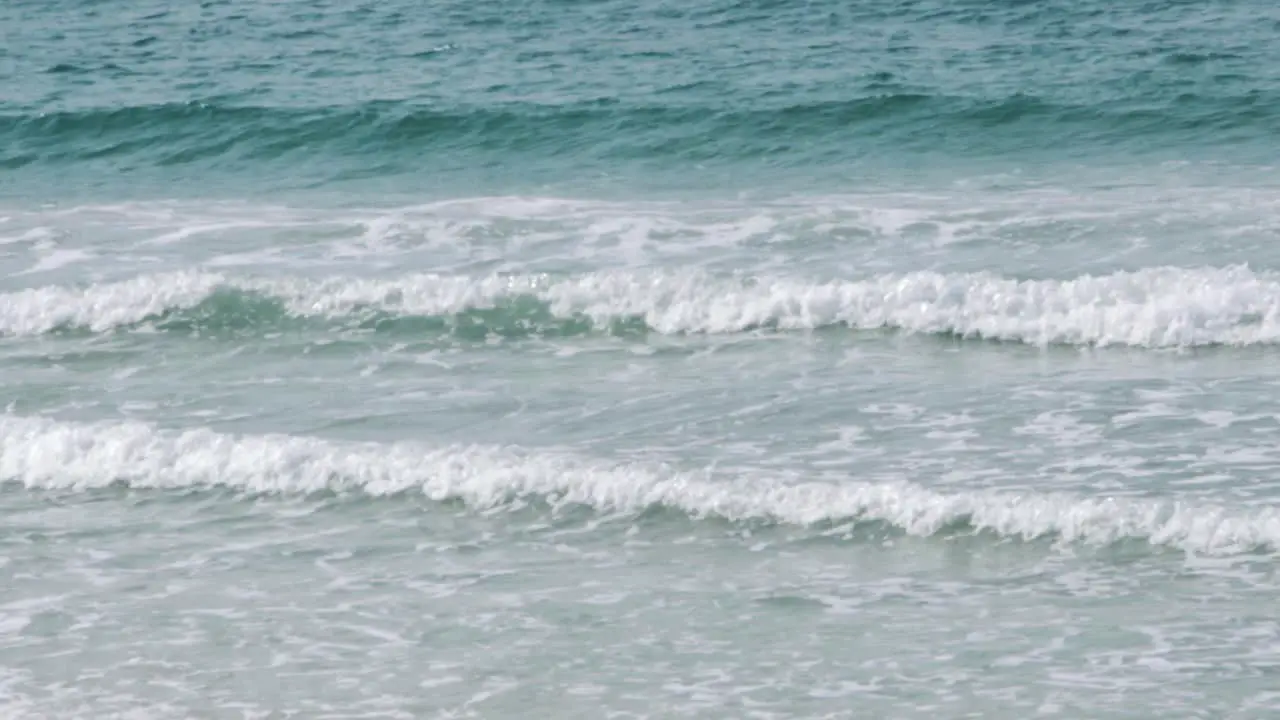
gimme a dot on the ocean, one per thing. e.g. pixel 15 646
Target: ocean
pixel 599 359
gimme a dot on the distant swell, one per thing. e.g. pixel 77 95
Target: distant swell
pixel 207 132
pixel 1155 307
pixel 44 454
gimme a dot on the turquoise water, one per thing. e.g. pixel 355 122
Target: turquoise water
pixel 583 97
pixel 588 359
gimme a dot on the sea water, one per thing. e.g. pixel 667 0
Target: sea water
pixel 599 359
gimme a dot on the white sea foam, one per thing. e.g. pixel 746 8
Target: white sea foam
pixel 1155 307
pixel 961 227
pixel 102 306
pixel 40 453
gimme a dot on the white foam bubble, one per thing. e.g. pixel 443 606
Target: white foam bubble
pixel 40 453
pixel 1151 308
pixel 104 306
pixel 1154 307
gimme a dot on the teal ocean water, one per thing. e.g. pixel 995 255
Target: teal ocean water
pixel 588 359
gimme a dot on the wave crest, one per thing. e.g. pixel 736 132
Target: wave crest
pixel 1154 307
pixel 39 453
pixel 205 132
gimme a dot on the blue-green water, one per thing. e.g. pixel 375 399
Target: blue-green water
pixel 461 98
pixel 594 359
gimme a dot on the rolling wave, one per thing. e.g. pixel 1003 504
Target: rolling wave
pixel 206 132
pixel 43 454
pixel 1152 308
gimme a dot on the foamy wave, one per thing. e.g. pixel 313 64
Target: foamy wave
pixel 1156 307
pixel 103 306
pixel 45 454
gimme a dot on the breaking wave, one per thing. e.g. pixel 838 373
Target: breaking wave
pixel 40 453
pixel 1154 307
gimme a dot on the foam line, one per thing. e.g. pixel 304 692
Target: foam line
pixel 40 453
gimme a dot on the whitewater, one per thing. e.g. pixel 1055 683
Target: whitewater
pixel 42 454
pixel 1156 307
